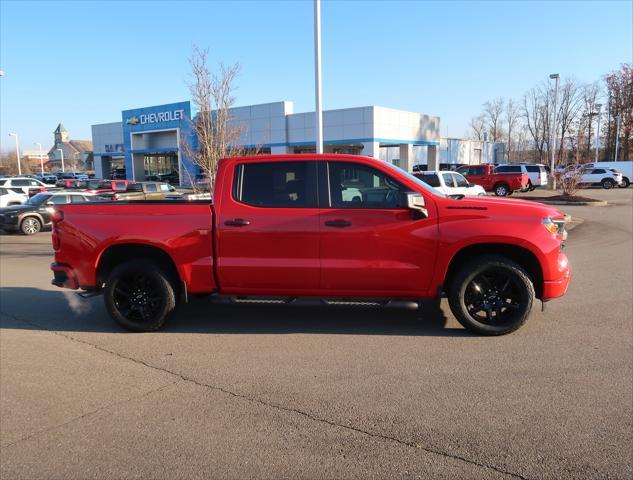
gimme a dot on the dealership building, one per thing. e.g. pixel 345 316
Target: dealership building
pixel 152 141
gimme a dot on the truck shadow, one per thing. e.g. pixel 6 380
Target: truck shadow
pixel 64 311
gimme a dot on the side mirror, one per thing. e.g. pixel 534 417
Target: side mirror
pixel 415 203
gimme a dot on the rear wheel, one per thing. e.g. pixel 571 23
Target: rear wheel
pixel 625 182
pixel 501 190
pixel 491 296
pixel 528 187
pixel 139 295
pixel 30 225
pixel 608 184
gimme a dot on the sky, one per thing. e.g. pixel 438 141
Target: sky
pixel 83 62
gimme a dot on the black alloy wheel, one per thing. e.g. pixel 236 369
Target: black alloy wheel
pixel 491 295
pixel 139 295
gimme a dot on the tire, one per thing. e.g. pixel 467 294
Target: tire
pixel 483 287
pixel 30 225
pixel 501 190
pixel 528 187
pixel 532 188
pixel 625 183
pixel 139 296
pixel 607 184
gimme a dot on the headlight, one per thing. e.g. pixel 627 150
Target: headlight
pixel 556 226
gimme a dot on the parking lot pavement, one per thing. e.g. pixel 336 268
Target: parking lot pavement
pixel 317 392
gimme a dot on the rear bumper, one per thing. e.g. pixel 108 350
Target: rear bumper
pixel 558 288
pixel 64 277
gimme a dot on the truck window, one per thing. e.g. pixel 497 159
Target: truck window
pixel 276 184
pixel 151 187
pixel 430 179
pixel 448 179
pixel 460 181
pixel 509 169
pixel 533 168
pixel 353 185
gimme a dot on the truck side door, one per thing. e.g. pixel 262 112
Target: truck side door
pixel 267 229
pixel 371 244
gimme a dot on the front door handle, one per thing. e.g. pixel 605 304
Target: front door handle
pixel 238 222
pixel 338 223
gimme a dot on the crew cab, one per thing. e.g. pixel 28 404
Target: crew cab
pixel 141 191
pixel 328 226
pixel 502 184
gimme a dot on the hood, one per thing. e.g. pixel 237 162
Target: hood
pixel 502 206
pixel 18 209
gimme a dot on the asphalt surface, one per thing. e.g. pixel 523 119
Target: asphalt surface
pixel 252 391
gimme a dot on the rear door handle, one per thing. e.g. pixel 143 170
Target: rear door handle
pixel 338 223
pixel 238 222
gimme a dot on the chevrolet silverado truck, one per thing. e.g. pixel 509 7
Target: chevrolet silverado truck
pixel 334 227
pixel 502 184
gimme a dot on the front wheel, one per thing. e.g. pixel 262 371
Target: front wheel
pixel 491 296
pixel 625 183
pixel 139 296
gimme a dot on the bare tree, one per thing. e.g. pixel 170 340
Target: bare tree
pixel 477 127
pixel 570 102
pixel 216 132
pixel 535 115
pixel 512 115
pixel 493 112
pixel 619 85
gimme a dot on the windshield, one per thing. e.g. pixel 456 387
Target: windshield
pixel 39 199
pixel 416 180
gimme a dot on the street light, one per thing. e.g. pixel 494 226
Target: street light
pixel 599 106
pixel 317 76
pixel 552 133
pixel 17 151
pixel 41 157
pixel 617 137
pixel 62 154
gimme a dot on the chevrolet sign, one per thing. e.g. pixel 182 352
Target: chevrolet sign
pixel 160 117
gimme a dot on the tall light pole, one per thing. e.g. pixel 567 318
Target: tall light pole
pixel 617 137
pixel 598 131
pixel 41 156
pixel 62 153
pixel 17 151
pixel 552 130
pixel 483 149
pixel 317 76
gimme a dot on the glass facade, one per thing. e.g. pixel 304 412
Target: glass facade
pixel 161 167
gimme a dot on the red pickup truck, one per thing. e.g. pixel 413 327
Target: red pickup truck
pixel 502 184
pixel 328 226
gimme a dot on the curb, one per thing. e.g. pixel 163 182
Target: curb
pixel 597 203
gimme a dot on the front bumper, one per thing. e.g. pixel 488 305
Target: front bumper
pixel 64 277
pixel 558 287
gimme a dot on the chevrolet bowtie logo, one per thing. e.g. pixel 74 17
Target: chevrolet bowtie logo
pixel 133 121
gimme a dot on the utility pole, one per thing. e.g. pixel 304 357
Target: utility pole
pixel 62 154
pixel 317 76
pixel 617 137
pixel 598 131
pixel 552 133
pixel 17 151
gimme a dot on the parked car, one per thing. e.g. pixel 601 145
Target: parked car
pixel 35 214
pixel 604 177
pixel 141 191
pixel 283 226
pixel 625 168
pixel 502 184
pixel 49 179
pixel 450 183
pixel 9 198
pixel 22 184
pixel 105 186
pixel 67 183
pixel 443 166
pixel 537 173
